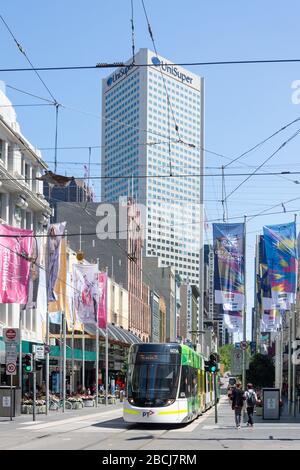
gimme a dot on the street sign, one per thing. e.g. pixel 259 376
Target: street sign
pixel 244 344
pixel 11 368
pixel 39 351
pixel 11 335
pixel 236 362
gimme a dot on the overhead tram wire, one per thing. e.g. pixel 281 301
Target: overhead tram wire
pixel 162 75
pixel 77 234
pixel 262 142
pixel 265 161
pixel 179 175
pixel 55 102
pixel 107 65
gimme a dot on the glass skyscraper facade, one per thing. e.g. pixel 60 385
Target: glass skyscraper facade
pixel 158 148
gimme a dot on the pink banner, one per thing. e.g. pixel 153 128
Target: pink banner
pixel 102 310
pixel 15 246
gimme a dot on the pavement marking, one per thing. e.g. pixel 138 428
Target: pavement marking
pixel 31 423
pixel 98 417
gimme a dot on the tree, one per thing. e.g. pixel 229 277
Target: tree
pixel 261 371
pixel 225 356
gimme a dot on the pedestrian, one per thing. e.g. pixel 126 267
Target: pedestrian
pixel 251 399
pixel 237 404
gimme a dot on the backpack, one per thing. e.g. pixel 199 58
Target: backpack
pixel 251 401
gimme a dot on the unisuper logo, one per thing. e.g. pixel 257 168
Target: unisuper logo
pixel 172 70
pixel 117 75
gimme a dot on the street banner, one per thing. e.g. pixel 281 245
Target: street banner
pixel 102 311
pixel 233 321
pixel 15 250
pixel 59 289
pixel 55 233
pixel 86 293
pixel 281 253
pixel 229 266
pixel 271 320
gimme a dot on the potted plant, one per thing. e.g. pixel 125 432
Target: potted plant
pixel 88 400
pixel 76 402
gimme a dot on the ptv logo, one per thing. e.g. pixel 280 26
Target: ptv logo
pixel 148 413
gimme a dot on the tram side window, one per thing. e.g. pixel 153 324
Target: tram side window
pixel 194 373
pixel 185 385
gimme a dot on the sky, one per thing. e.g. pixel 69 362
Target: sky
pixel 244 104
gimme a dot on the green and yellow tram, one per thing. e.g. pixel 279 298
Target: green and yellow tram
pixel 166 383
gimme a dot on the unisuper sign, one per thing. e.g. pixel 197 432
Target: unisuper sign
pixel 120 73
pixel 123 71
pixel 172 70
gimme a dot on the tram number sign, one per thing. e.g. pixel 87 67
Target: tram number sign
pixel 244 344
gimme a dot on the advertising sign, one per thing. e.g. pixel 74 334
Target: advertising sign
pixel 271 398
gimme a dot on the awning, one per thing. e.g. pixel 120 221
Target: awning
pixel 115 333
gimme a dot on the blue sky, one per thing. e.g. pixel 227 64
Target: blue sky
pixel 243 104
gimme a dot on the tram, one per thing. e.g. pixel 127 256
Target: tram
pixel 166 383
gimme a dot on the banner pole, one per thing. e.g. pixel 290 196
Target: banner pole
pixel 83 359
pixel 106 345
pixel 20 354
pixel 97 353
pixel 245 309
pixel 294 331
pixel 47 362
pixel 64 362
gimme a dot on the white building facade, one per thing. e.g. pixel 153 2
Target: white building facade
pixel 154 139
pixel 22 203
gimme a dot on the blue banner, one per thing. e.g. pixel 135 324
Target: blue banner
pixel 281 254
pixel 229 266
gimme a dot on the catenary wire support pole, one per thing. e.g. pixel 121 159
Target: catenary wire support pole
pixel 34 385
pixel 20 354
pixel 294 337
pixel 64 362
pixel 201 214
pixel 289 359
pixel 83 359
pixel 245 307
pixel 97 354
pixel 47 363
pixel 72 384
pixel 106 346
pixel 56 129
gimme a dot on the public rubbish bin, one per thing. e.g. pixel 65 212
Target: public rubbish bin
pixel 121 396
pixel 6 395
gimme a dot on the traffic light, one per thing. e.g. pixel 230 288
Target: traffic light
pixel 213 365
pixel 28 363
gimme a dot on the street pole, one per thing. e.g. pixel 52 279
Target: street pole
pixel 201 215
pixel 20 354
pixel 289 360
pixel 11 398
pixel 83 359
pixel 47 363
pixel 216 397
pixel 72 384
pixel 97 353
pixel 293 362
pixel 244 310
pixel 106 346
pixel 64 362
pixel 34 386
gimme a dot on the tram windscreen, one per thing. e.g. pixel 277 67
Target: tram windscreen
pixel 153 377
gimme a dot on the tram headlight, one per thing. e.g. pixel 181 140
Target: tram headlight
pixel 131 401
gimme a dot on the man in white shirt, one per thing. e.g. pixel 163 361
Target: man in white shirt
pixel 250 398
